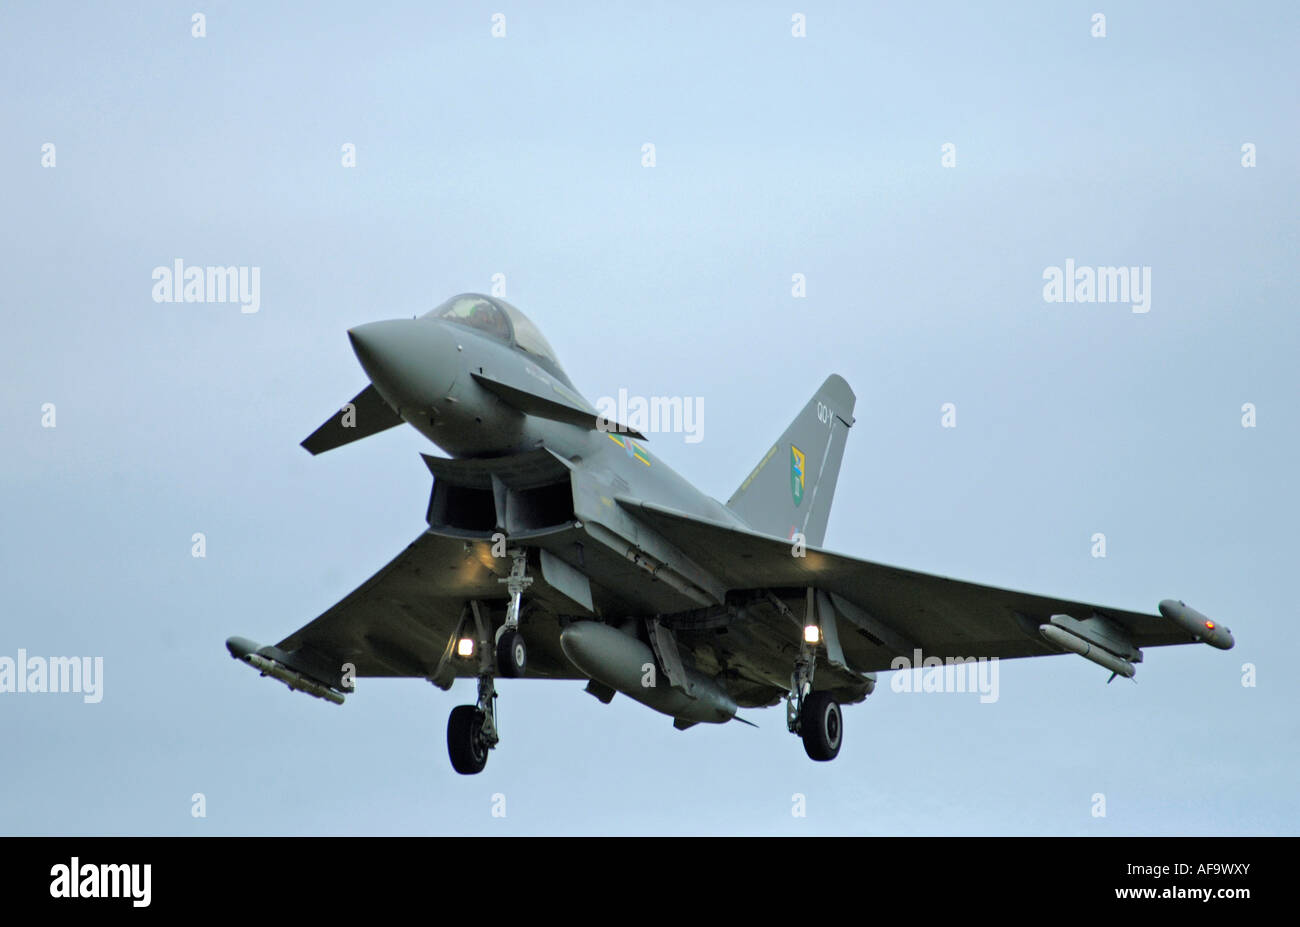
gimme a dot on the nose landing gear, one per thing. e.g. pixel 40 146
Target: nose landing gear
pixel 472 729
pixel 512 653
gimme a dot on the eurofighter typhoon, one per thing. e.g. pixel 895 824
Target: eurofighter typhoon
pixel 560 547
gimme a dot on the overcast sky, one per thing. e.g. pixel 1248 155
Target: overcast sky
pixel 775 155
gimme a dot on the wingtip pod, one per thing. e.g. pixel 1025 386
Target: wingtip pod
pixel 1196 624
pixel 241 647
pixel 246 651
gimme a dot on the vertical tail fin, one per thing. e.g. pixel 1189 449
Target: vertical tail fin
pixel 791 488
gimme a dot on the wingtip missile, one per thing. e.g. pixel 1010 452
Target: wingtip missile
pixel 246 651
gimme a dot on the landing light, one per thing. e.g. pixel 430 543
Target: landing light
pixel 812 634
pixel 1210 625
pixel 465 647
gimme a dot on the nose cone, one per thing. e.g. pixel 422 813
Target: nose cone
pixel 412 362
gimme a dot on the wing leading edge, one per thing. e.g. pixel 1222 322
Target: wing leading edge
pixel 405 620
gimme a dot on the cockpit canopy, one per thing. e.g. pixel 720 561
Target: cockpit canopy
pixel 497 319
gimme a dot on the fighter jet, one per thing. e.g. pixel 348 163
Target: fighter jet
pixel 559 546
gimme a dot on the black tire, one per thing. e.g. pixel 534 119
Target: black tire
pixel 512 655
pixel 465 744
pixel 822 726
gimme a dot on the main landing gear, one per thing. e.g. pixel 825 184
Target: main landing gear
pixel 814 716
pixel 472 729
pixel 821 726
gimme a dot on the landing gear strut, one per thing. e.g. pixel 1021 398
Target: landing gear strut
pixel 472 729
pixel 814 716
pixel 512 654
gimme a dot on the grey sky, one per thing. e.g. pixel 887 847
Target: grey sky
pixel 775 156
